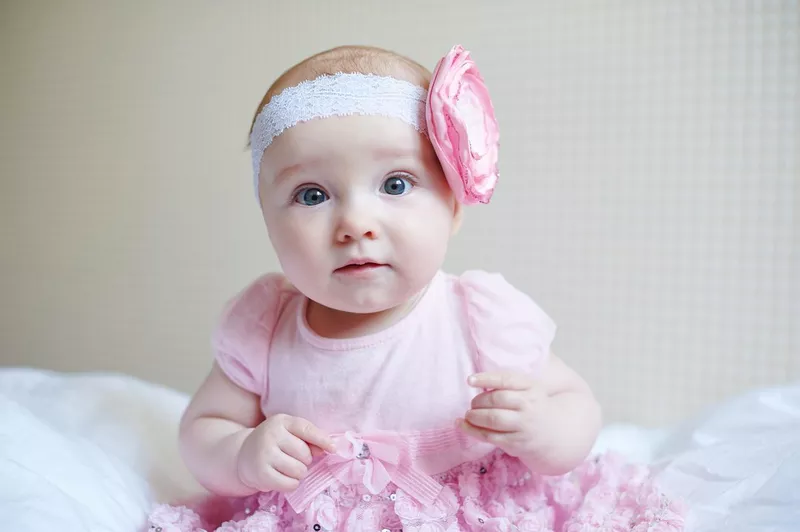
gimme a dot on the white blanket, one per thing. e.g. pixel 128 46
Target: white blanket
pixel 92 452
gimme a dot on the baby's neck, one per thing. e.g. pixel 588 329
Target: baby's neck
pixel 332 323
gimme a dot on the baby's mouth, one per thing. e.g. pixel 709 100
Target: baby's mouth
pixel 360 267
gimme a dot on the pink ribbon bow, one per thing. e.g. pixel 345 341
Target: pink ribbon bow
pixel 374 460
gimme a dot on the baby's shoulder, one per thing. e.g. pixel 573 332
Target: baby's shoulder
pixel 243 335
pixel 480 289
pixel 265 294
pixel 253 312
pixel 507 327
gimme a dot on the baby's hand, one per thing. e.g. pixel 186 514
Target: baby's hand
pixel 276 455
pixel 507 413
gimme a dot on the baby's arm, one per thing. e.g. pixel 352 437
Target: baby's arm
pixel 232 450
pixel 570 420
pixel 550 422
pixel 219 418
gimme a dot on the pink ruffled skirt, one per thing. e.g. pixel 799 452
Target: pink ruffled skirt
pixel 496 493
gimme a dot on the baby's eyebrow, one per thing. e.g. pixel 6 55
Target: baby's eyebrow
pixel 396 152
pixel 286 172
pixel 384 152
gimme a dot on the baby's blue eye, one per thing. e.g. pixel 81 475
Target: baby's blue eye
pixel 311 196
pixel 396 186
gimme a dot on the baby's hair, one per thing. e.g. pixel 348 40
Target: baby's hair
pixel 348 59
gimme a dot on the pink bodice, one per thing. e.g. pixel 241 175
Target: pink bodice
pixel 396 392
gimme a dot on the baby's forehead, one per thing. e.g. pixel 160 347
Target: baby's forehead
pixel 340 146
pixel 350 136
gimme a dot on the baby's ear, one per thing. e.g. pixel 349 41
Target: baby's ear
pixel 458 216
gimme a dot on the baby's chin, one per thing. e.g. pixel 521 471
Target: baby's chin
pixel 376 304
pixel 364 293
pixel 367 300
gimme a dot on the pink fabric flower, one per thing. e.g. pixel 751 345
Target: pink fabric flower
pixel 567 494
pixel 430 527
pixel 470 485
pixel 174 519
pixel 499 524
pixel 533 523
pixel 407 508
pixel 345 496
pixel 602 496
pixel 496 509
pixel 323 512
pixel 261 521
pixel 366 519
pixel 473 514
pixel 462 127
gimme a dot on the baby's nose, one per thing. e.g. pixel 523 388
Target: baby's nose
pixel 357 223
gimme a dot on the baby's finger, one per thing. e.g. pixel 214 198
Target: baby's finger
pixel 506 399
pixel 289 466
pixel 297 449
pixel 309 433
pixel 490 436
pixel 279 481
pixel 501 380
pixel 494 419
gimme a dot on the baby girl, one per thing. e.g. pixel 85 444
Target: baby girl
pixel 364 389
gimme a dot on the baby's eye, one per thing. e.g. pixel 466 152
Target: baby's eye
pixel 310 196
pixel 396 185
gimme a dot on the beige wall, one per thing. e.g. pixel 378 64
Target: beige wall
pixel 649 198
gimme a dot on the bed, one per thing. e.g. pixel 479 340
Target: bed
pixel 91 452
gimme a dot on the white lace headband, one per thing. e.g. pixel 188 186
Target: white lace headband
pixel 336 95
pixel 455 113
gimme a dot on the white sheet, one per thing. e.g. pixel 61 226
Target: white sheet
pixel 86 452
pixel 739 463
pixel 91 453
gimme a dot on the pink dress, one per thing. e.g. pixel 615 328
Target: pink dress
pixel 390 400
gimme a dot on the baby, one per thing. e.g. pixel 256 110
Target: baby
pixel 364 388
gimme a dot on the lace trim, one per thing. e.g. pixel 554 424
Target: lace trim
pixel 339 94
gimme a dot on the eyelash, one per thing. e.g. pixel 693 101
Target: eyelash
pixel 404 175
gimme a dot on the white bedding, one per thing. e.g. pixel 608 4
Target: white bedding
pixel 91 452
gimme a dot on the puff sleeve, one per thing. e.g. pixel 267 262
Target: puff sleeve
pixel 507 328
pixel 242 338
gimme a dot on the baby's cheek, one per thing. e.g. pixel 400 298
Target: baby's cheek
pixel 424 253
pixel 296 254
pixel 297 236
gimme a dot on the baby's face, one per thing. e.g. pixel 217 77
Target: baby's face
pixel 358 210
